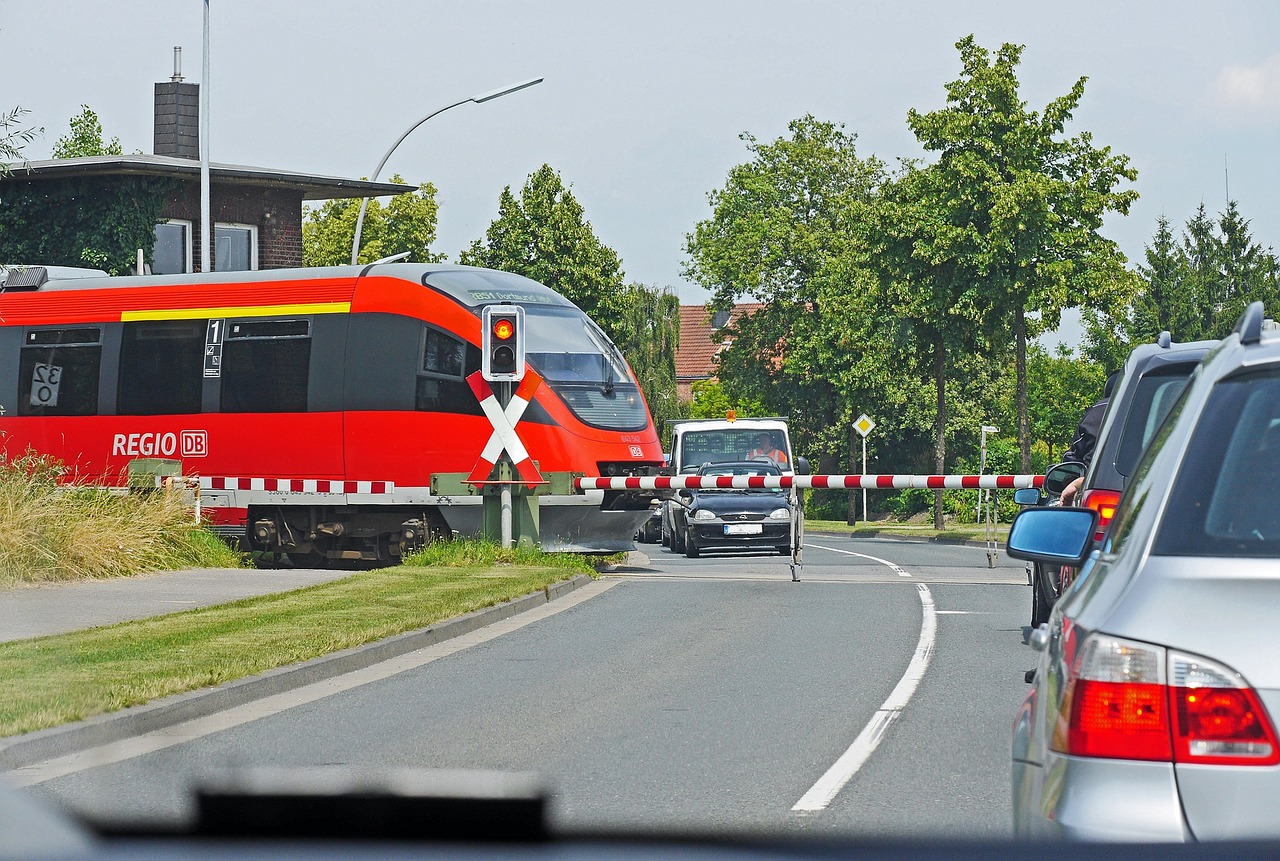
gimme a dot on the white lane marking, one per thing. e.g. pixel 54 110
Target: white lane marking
pixel 896 568
pixel 842 771
pixel 160 739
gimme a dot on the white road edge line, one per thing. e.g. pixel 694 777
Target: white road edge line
pixel 895 567
pixel 842 771
pixel 160 739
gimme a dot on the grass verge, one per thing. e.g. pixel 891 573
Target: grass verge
pixel 49 681
pixel 953 532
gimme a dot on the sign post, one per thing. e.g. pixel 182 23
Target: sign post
pixel 986 508
pixel 864 425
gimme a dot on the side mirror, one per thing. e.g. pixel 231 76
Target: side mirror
pixel 1028 496
pixel 1056 536
pixel 1062 474
pixel 802 466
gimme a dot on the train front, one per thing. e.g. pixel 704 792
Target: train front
pixel 586 414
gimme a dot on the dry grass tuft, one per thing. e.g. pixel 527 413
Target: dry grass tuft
pixel 51 531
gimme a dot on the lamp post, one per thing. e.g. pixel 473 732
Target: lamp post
pixel 483 97
pixel 206 264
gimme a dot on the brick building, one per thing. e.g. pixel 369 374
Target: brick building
pixel 256 212
pixel 696 353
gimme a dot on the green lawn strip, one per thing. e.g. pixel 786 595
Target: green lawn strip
pixel 961 532
pixel 48 681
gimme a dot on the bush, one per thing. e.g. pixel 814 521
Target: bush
pixel 53 531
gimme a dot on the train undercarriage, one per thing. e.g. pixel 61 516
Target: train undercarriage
pixel 317 535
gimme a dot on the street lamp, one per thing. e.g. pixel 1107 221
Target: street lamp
pixel 483 97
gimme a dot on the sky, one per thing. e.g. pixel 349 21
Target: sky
pixel 643 103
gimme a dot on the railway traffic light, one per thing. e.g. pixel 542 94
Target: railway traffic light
pixel 502 343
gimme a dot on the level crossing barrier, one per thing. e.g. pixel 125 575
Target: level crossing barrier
pixel 808 482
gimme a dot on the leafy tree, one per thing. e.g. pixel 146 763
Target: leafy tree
pixel 1166 302
pixel 778 225
pixel 649 333
pixel 85 138
pixel 1014 210
pixel 544 236
pixel 711 401
pixel 13 138
pixel 1195 287
pixel 97 222
pixel 406 223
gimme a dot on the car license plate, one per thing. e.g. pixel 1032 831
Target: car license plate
pixel 743 529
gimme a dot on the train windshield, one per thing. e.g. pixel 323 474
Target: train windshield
pixel 583 367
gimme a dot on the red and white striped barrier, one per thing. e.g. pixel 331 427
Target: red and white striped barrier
pixel 819 482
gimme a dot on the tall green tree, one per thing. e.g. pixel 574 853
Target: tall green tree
pixel 1021 206
pixel 406 223
pixel 1166 301
pixel 544 235
pixel 780 222
pixel 85 138
pixel 1194 287
pixel 649 333
pixel 13 137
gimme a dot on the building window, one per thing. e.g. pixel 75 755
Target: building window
pixel 235 247
pixel 58 372
pixel 265 366
pixel 442 387
pixel 161 368
pixel 172 254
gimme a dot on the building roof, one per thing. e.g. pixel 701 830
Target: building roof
pixel 696 354
pixel 312 186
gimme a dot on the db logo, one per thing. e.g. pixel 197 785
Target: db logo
pixel 637 451
pixel 195 443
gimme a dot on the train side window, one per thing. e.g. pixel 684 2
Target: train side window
pixel 161 367
pixel 442 385
pixel 265 366
pixel 58 372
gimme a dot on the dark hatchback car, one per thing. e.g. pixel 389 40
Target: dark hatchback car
pixel 734 518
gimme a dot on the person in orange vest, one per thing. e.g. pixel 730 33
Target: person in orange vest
pixel 766 446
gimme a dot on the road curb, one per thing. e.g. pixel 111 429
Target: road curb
pixel 22 750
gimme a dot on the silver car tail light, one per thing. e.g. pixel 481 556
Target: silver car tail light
pixel 1131 700
pixel 1117 703
pixel 1219 719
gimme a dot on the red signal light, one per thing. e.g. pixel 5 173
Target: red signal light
pixel 503 329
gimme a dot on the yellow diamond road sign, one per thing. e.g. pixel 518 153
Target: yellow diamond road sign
pixel 864 425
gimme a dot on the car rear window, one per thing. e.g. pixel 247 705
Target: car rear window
pixel 1226 498
pixel 1153 397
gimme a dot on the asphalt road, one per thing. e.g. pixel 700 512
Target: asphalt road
pixel 711 694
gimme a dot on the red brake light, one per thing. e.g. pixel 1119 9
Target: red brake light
pixel 1119 705
pixel 1219 718
pixel 1104 502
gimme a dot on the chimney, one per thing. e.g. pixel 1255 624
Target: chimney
pixel 177 128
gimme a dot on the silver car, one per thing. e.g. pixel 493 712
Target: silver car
pixel 1152 712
